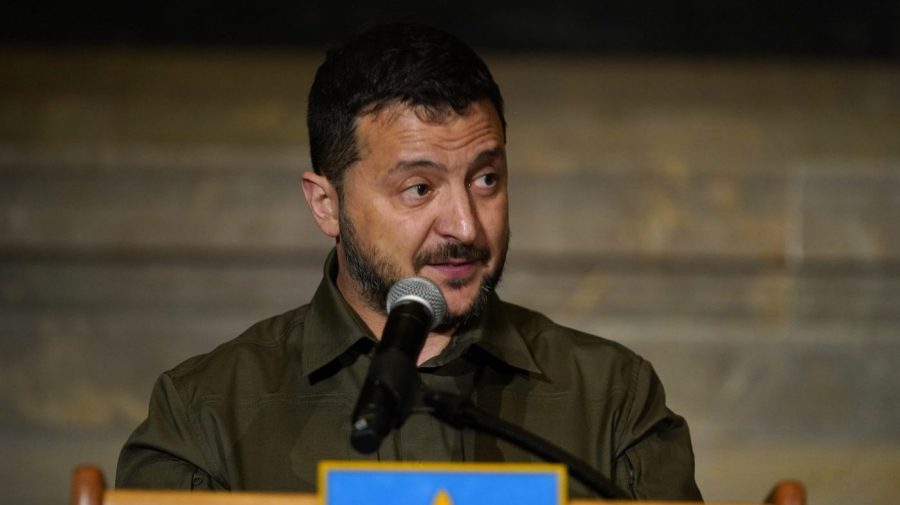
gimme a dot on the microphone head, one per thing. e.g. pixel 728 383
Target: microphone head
pixel 422 291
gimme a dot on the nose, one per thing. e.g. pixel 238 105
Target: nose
pixel 458 217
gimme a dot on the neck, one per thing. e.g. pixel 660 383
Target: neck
pixel 434 344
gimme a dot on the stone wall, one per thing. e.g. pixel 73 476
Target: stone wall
pixel 737 223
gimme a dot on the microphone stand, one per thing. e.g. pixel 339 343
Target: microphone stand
pixel 460 413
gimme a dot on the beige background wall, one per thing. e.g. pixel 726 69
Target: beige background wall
pixel 736 223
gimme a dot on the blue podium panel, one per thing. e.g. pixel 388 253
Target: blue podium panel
pixel 355 483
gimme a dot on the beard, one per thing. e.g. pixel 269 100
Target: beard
pixel 375 275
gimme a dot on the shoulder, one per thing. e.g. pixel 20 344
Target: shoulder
pixel 256 355
pixel 563 351
pixel 544 334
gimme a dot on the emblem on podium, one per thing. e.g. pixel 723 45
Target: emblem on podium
pixel 401 483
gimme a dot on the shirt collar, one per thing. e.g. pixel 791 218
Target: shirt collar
pixel 496 333
pixel 332 327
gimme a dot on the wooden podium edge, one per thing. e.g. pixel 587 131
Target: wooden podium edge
pixel 88 488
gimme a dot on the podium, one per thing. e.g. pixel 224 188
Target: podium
pixel 88 488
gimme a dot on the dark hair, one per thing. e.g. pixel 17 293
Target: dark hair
pixel 411 64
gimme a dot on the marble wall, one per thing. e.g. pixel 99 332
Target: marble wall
pixel 737 223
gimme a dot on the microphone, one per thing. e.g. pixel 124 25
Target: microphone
pixel 415 306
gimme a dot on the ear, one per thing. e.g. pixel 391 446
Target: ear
pixel 321 197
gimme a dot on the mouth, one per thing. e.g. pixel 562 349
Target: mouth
pixel 457 264
pixel 455 269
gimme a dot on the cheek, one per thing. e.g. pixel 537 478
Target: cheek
pixel 367 215
pixel 496 221
pixel 407 232
pixel 397 235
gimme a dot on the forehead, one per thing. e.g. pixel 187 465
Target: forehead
pixel 398 127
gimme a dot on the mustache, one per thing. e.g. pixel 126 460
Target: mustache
pixel 470 253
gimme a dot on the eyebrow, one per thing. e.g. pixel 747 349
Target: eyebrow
pixel 483 158
pixel 489 155
pixel 405 165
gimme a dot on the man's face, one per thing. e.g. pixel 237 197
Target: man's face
pixel 428 197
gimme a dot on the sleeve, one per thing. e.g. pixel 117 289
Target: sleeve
pixel 164 452
pixel 654 459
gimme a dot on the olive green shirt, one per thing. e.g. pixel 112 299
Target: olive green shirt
pixel 259 412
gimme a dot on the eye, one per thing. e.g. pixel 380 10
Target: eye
pixel 417 191
pixel 486 181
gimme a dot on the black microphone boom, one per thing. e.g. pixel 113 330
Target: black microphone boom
pixel 415 306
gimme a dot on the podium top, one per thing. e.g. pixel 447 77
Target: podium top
pixel 88 489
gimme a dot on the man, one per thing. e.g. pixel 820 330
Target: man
pixel 407 138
